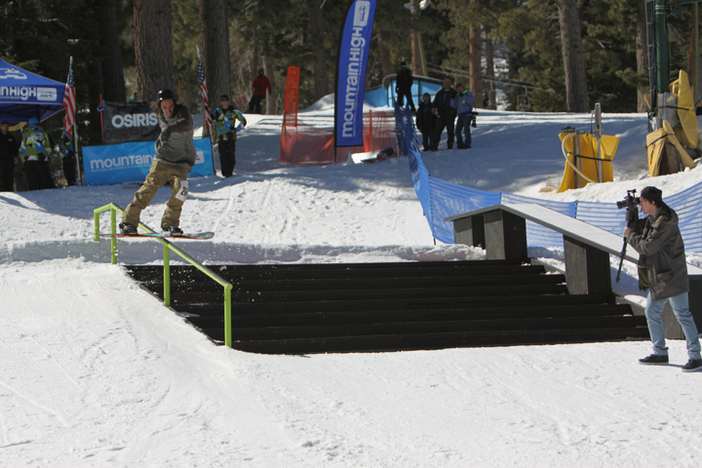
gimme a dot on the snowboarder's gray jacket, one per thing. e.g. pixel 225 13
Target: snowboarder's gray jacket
pixel 662 266
pixel 175 144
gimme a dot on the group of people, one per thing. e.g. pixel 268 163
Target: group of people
pixel 434 117
pixel 452 109
pixel 33 153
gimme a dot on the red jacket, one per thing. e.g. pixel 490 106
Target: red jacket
pixel 260 84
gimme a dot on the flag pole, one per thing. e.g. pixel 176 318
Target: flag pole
pixel 206 117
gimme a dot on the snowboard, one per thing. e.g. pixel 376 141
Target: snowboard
pixel 190 236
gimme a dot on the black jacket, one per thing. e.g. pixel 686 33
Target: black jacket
pixel 404 79
pixel 426 121
pixel 8 147
pixel 442 103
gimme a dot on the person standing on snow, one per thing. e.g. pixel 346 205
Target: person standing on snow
pixel 463 103
pixel 175 158
pixel 8 157
pixel 426 121
pixel 260 85
pixel 445 114
pixel 68 156
pixel 35 150
pixel 663 272
pixel 404 86
pixel 225 118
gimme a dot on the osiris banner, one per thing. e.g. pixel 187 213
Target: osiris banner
pixel 351 76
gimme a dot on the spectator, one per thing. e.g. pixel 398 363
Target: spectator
pixel 663 272
pixel 68 156
pixel 404 86
pixel 445 114
pixel 225 118
pixel 260 86
pixel 426 121
pixel 175 158
pixel 36 150
pixel 8 157
pixel 463 103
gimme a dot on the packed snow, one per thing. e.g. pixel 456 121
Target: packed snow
pixel 96 372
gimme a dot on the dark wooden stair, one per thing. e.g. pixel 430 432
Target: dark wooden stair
pixel 316 308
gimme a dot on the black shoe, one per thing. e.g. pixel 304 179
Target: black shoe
pixel 174 231
pixel 693 365
pixel 654 359
pixel 128 229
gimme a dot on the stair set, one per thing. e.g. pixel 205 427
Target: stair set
pixel 370 307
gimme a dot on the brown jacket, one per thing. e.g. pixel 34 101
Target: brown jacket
pixel 662 265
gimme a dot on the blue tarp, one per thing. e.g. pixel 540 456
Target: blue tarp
pixel 24 95
pixel 385 95
pixel 441 199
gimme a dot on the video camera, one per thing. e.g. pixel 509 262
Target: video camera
pixel 631 201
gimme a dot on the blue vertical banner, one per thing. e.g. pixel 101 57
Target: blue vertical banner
pixel 351 76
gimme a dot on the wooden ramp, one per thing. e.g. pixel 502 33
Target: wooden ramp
pixel 319 308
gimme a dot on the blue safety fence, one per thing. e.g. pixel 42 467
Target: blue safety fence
pixel 441 199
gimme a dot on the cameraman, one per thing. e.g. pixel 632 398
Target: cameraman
pixel 663 271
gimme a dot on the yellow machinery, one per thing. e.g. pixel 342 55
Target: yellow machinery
pixel 588 155
pixel 668 146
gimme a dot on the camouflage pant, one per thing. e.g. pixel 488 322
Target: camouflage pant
pixel 158 175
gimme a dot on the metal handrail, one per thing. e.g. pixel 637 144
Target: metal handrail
pixel 167 247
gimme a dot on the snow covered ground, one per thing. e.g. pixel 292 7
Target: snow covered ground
pixel 96 372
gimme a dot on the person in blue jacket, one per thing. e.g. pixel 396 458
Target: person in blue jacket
pixel 463 103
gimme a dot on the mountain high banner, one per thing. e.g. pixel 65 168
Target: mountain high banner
pixel 351 76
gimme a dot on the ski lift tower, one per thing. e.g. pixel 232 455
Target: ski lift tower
pixel 657 13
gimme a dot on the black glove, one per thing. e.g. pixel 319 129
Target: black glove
pixel 165 134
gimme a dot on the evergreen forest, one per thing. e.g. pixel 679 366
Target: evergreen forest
pixel 543 55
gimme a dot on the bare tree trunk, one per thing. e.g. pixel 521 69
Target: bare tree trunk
pixel 415 38
pixel 112 72
pixel 271 98
pixel 385 60
pixel 96 89
pixel 476 73
pixel 321 79
pixel 641 54
pixel 214 41
pixel 153 46
pixel 490 70
pixel 573 58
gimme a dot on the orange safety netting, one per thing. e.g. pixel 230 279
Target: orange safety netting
pixel 306 144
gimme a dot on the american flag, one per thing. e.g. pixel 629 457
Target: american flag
pixel 203 91
pixel 69 101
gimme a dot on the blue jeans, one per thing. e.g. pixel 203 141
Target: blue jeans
pixel 681 309
pixel 463 126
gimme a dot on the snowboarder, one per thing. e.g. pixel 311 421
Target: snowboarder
pixel 175 158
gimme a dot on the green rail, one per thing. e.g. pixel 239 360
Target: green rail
pixel 167 247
